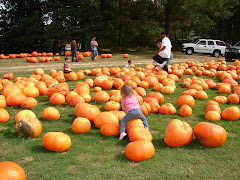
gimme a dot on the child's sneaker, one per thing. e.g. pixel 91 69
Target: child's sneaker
pixel 147 129
pixel 122 135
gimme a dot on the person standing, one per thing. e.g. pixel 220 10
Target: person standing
pixel 164 52
pixel 74 50
pixel 93 49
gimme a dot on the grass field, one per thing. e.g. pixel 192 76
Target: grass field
pixel 93 156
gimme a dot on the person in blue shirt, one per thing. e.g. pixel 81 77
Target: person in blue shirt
pixel 93 49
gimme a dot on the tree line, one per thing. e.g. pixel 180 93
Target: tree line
pixel 45 25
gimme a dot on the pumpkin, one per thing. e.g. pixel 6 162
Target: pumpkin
pixel 74 100
pixel 141 91
pixel 2 103
pixel 42 88
pixel 133 123
pixel 97 89
pixel 105 118
pixel 106 84
pixel 119 114
pixel 87 111
pixel 101 96
pixel 39 71
pixel 28 103
pixel 141 150
pixel 167 108
pixel 89 82
pixel 87 97
pixel 186 99
pixel 72 76
pixel 144 84
pixel 28 127
pixel 167 90
pixel 80 75
pixel 210 135
pixel 231 113
pixel 233 99
pixel 223 89
pixel 139 133
pixel 212 116
pixel 211 102
pixel 61 88
pixel 110 129
pixel 189 92
pixel 153 102
pixel 99 80
pixel 157 95
pixel 145 108
pixel 81 89
pixel 81 125
pixel 13 100
pixel 185 111
pixel 112 105
pixel 214 107
pixel 220 99
pixel 200 95
pixel 24 114
pixel 125 55
pixel 178 133
pixel 4 116
pixel 56 141
pixel 116 97
pixel 11 89
pixel 9 76
pixel 158 87
pixel 10 171
pixel 50 113
pixel 57 99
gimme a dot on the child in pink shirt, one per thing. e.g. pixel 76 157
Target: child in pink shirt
pixel 132 109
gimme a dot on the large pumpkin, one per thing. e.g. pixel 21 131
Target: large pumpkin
pixel 11 171
pixel 110 129
pixel 81 125
pixel 28 103
pixel 133 123
pixel 61 88
pixel 231 113
pixel 56 141
pixel 139 133
pixel 101 96
pixel 30 91
pixel 105 118
pixel 141 150
pixel 75 99
pixel 153 102
pixel 87 111
pixel 57 99
pixel 28 127
pixel 112 105
pixel 167 108
pixel 178 133
pixel 186 99
pixel 210 135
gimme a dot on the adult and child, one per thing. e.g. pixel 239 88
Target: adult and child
pixel 94 49
pixel 164 55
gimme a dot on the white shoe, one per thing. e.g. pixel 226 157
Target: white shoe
pixel 122 135
pixel 147 129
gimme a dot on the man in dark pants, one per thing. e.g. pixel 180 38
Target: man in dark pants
pixel 164 52
pixel 74 50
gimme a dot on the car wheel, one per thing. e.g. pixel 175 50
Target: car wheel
pixel 189 51
pixel 216 54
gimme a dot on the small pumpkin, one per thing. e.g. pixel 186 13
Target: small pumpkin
pixel 212 116
pixel 28 103
pixel 112 105
pixel 110 129
pixel 139 133
pixel 57 99
pixel 186 99
pixel 185 111
pixel 81 125
pixel 167 108
pixel 50 113
pixel 4 116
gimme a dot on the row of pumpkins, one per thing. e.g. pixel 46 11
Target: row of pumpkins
pixel 22 92
pixel 44 55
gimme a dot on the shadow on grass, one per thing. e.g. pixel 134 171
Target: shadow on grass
pixel 41 149
pixel 9 134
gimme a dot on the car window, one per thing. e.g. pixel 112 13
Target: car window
pixel 220 43
pixel 202 43
pixel 210 43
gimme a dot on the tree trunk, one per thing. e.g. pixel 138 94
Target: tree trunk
pixel 167 18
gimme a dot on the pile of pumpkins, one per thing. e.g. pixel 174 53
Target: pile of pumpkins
pixel 23 91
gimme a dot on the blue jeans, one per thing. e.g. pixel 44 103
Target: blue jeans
pixel 133 114
pixel 74 53
pixel 169 59
pixel 94 54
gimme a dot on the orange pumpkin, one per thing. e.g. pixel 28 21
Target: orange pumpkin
pixel 110 129
pixel 178 133
pixel 141 150
pixel 28 103
pixel 212 116
pixel 233 99
pixel 186 99
pixel 10 171
pixel 101 96
pixel 145 108
pixel 74 100
pixel 57 99
pixel 185 111
pixel 105 118
pixel 24 114
pixel 50 113
pixel 87 111
pixel 167 108
pixel 81 125
pixel 56 141
pixel 133 123
pixel 231 113
pixel 139 133
pixel 210 135
pixel 112 105
pixel 4 116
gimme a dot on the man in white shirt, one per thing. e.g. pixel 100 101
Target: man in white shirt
pixel 164 52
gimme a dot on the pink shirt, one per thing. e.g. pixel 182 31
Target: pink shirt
pixel 130 102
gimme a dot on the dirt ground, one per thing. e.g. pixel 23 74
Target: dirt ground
pixel 179 59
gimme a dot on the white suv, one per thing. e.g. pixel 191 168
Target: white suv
pixel 205 46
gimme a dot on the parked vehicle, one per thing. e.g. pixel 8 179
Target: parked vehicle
pixel 205 46
pixel 233 52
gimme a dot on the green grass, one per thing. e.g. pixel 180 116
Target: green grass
pixel 93 156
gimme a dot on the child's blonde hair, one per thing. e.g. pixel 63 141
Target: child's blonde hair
pixel 127 90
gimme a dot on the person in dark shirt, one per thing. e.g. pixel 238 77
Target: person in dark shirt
pixel 74 50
